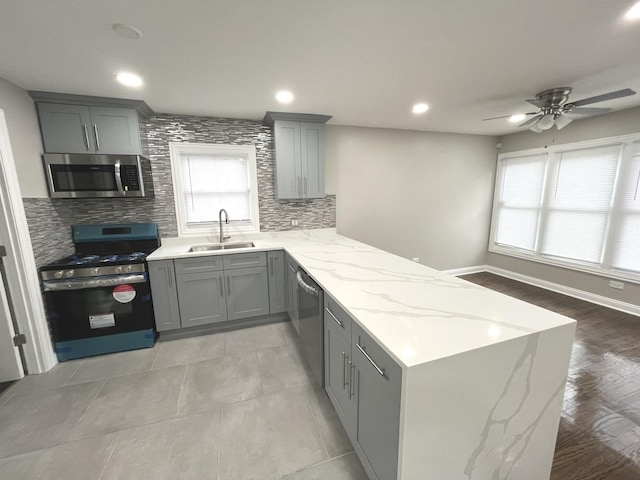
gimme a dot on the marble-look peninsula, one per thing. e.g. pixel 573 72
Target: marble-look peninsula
pixel 483 374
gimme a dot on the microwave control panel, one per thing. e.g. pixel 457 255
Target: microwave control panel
pixel 130 180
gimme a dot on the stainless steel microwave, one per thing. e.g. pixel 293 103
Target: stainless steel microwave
pixel 91 176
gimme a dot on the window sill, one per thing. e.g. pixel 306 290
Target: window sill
pixel 580 267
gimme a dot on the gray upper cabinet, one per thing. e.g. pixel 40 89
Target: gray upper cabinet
pixel 277 290
pixel 165 295
pixel 299 148
pixel 247 292
pixel 116 130
pixel 202 298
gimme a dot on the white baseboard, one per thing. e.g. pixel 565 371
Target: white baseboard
pixel 554 287
pixel 456 272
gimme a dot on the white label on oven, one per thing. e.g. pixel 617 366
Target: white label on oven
pixel 102 320
pixel 124 293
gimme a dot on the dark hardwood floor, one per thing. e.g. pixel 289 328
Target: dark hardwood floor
pixel 599 435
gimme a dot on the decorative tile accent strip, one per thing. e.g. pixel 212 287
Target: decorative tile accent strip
pixel 50 220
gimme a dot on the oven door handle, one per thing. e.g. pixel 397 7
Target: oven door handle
pixel 92 282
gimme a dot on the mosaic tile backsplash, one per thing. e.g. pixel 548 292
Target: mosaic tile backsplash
pixel 50 220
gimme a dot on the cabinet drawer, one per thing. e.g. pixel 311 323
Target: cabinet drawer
pixel 245 260
pixel 334 313
pixel 198 264
pixel 391 376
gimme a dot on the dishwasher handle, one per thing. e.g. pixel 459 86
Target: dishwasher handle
pixel 306 287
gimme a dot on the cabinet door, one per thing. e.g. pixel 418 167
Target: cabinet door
pixel 338 375
pixel 312 156
pixel 164 294
pixel 66 128
pixel 292 293
pixel 277 289
pixel 116 130
pixel 202 298
pixel 247 292
pixel 378 407
pixel 288 169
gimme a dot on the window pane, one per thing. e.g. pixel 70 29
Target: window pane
pixel 627 249
pixel 517 227
pixel 631 196
pixel 522 181
pixel 575 235
pixel 585 178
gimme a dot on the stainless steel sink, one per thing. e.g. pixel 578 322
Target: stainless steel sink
pixel 220 246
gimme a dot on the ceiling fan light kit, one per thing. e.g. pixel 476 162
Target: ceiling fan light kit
pixel 555 108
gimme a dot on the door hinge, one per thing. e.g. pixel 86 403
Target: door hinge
pixel 19 339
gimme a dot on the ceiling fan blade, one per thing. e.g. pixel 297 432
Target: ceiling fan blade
pixel 538 102
pixel 562 121
pixel 604 97
pixel 587 111
pixel 507 116
pixel 531 120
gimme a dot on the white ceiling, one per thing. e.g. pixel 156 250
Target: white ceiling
pixel 366 62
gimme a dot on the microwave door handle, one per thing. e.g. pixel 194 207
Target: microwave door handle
pixel 119 178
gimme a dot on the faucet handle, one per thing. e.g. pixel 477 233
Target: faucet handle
pixel 227 237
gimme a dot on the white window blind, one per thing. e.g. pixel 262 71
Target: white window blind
pixel 579 203
pixel 211 182
pixel 626 246
pixel 519 201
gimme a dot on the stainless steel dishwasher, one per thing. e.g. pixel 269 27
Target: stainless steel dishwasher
pixel 310 302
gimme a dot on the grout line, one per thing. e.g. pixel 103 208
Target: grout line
pixel 315 423
pixel 155 358
pixel 81 364
pixel 184 376
pixel 113 449
pixel 104 382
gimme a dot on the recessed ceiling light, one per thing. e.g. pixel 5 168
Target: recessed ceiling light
pixel 126 31
pixel 129 79
pixel 518 117
pixel 633 13
pixel 420 108
pixel 284 96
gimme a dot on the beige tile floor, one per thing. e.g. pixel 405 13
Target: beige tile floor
pixel 229 406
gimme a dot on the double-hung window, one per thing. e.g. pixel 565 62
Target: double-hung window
pixel 574 205
pixel 210 177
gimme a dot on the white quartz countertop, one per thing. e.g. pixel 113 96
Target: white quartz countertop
pixel 417 314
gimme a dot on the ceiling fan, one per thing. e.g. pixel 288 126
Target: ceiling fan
pixel 555 108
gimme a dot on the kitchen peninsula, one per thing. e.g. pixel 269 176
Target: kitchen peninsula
pixel 480 375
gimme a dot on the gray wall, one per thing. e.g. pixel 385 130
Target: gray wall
pixel 613 124
pixel 24 135
pixel 416 194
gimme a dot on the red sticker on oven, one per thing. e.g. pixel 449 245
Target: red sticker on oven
pixel 124 293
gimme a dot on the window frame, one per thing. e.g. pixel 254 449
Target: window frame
pixel 604 269
pixel 176 149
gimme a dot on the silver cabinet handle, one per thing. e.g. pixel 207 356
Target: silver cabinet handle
pixel 118 174
pixel 95 132
pixel 271 265
pixel 228 285
pixel 221 289
pixel 86 135
pixel 344 375
pixel 291 268
pixel 334 317
pixel 305 186
pixel 170 277
pixel 299 186
pixel 380 370
pixel 352 369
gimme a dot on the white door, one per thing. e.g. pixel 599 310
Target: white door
pixel 10 363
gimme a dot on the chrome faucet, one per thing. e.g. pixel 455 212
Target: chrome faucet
pixel 226 216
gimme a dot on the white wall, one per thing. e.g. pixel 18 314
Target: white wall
pixel 415 194
pixel 610 125
pixel 24 134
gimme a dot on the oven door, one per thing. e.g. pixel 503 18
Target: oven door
pixel 98 306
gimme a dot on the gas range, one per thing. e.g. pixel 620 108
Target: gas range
pixel 91 265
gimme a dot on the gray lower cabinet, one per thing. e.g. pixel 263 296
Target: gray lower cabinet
pixel 89 129
pixel 277 285
pixel 165 294
pixel 364 385
pixel 247 292
pixel 202 298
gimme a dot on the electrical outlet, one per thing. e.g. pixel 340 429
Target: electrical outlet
pixel 616 285
pixel 294 222
pixel 416 259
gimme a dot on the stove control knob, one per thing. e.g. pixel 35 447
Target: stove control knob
pixel 119 269
pixel 68 273
pixel 96 270
pixel 129 268
pixel 58 274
